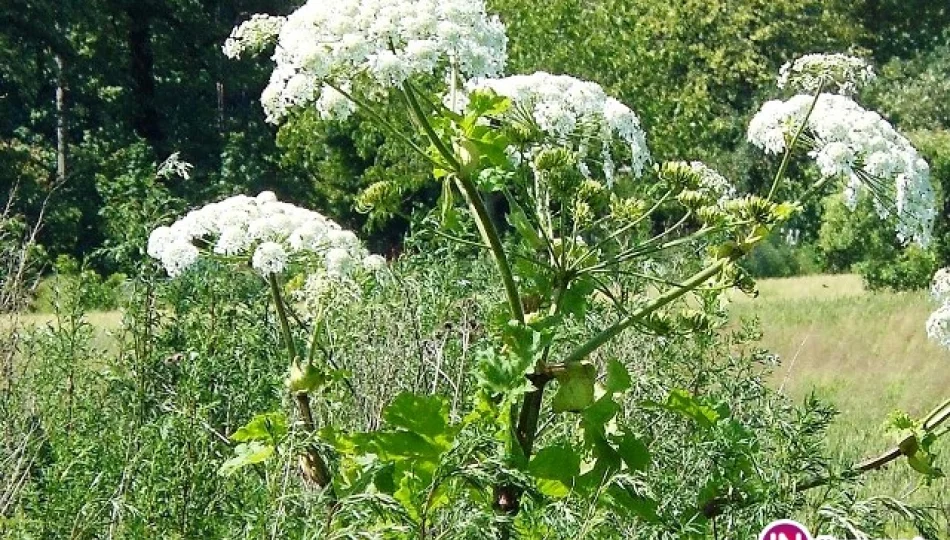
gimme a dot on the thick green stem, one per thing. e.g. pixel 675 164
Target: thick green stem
pixel 490 235
pixel 312 463
pixel 791 146
pixel 282 317
pixel 486 227
pixel 527 430
pixel 613 331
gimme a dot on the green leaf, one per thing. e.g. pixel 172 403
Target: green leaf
pixel 523 340
pixel 633 452
pixel 558 462
pixel 448 214
pixel 501 374
pixel 923 463
pixel 400 445
pixel 618 379
pixel 493 179
pixel 785 211
pixel 598 415
pixel 425 415
pixel 553 488
pixel 575 390
pixel 487 103
pixel 642 507
pixel 519 220
pixel 682 402
pixel 266 427
pixel 492 147
pixel 246 454
pixel 573 302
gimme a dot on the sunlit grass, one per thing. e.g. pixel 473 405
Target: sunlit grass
pixel 867 353
pixel 104 323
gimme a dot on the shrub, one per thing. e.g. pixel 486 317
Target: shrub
pixel 912 270
pixel 859 241
pixel 777 258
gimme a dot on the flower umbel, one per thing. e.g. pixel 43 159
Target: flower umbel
pixel 846 74
pixel 253 35
pixel 366 44
pixel 575 113
pixel 272 233
pixel 860 147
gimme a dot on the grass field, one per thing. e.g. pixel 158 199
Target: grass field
pixel 105 323
pixel 866 353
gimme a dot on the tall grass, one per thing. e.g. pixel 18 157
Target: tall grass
pixel 866 353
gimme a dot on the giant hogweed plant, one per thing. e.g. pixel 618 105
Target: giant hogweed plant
pixel 592 229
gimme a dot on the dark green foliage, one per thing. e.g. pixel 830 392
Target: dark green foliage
pixel 97 293
pixel 777 258
pixel 691 69
pixel 142 81
pixel 859 240
pixel 912 269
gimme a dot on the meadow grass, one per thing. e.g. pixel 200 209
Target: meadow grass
pixel 105 324
pixel 866 353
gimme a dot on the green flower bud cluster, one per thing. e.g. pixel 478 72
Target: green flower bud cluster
pixel 382 197
pixel 626 209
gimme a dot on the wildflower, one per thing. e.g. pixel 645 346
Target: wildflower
pixel 844 73
pixel 859 146
pixel 322 293
pixel 174 166
pixel 272 232
pixel 379 43
pixel 269 258
pixel 712 183
pixel 940 285
pixel 339 262
pixel 252 36
pixel 938 326
pixel 177 256
pixel 374 263
pixel 573 112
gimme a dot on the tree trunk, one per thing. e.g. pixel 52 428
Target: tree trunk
pixel 145 119
pixel 60 119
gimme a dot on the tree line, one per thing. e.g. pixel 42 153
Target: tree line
pixel 95 93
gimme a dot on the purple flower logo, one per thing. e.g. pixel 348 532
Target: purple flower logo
pixel 785 529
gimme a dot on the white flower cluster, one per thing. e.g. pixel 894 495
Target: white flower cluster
pixel 940 285
pixel 389 40
pixel 574 112
pixel 938 325
pixel 859 146
pixel 845 73
pixel 273 232
pixel 712 182
pixel 253 35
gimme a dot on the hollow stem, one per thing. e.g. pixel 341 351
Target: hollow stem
pixel 483 221
pixel 312 464
pixel 661 301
